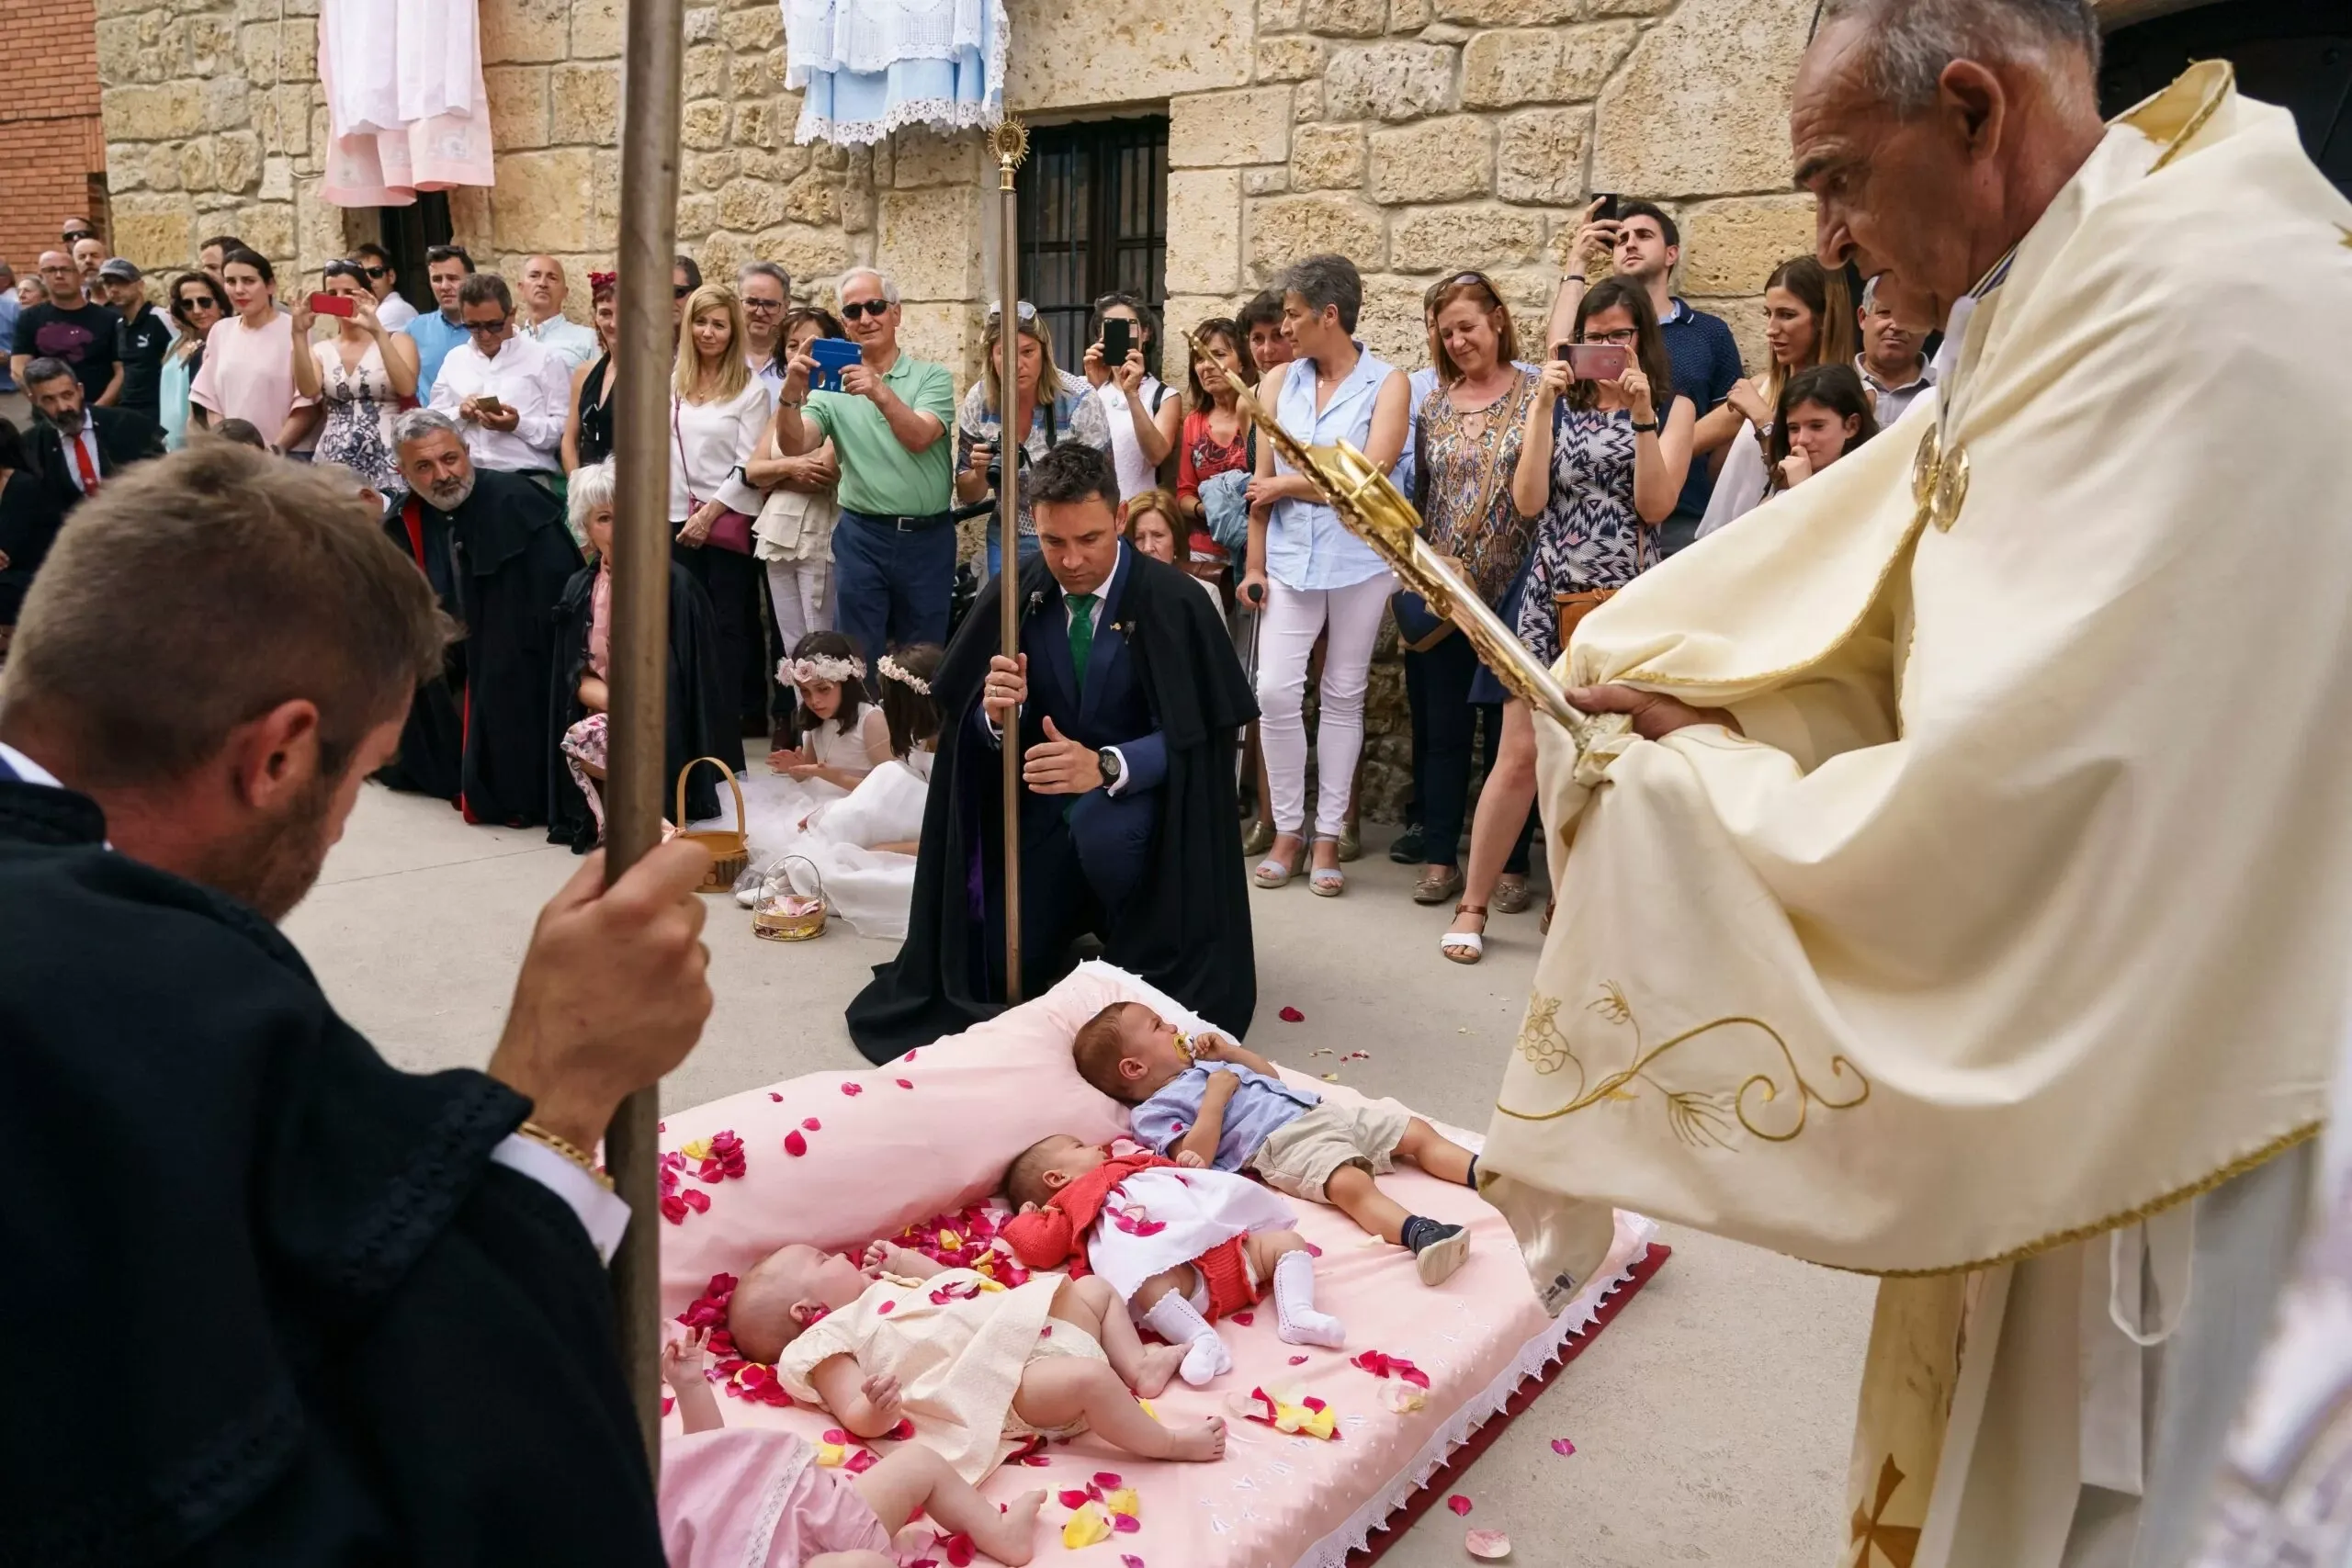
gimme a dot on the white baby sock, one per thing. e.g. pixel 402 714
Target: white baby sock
pixel 1176 1320
pixel 1297 1321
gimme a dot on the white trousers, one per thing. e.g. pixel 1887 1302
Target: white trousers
pixel 1293 618
pixel 798 589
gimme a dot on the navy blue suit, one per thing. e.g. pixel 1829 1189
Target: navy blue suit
pixel 1092 849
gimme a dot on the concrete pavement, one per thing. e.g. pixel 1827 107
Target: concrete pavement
pixel 1711 1420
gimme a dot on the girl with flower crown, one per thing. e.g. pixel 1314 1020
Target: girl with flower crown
pixel 842 736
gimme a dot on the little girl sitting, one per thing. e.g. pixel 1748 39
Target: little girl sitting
pixel 755 1496
pixel 1181 1243
pixel 843 736
pixel 971 1361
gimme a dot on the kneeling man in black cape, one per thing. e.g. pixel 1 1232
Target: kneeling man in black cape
pixel 1126 702
pixel 336 1313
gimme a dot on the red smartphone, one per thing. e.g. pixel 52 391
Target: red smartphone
pixel 330 305
pixel 1598 361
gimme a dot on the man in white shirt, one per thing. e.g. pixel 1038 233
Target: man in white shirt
pixel 509 395
pixel 1893 370
pixel 376 263
pixel 543 320
pixel 337 1230
pixel 766 289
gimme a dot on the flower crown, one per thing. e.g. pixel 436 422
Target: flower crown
pixel 893 671
pixel 824 666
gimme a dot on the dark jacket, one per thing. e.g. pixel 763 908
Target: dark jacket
pixel 124 438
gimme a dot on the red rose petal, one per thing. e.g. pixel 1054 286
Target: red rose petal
pixel 698 1201
pixel 1108 1480
pixel 777 1098
pixel 852 1088
pixel 1245 1318
pixel 1129 1560
pixel 1459 1503
pixel 908 1056
pixel 1291 1015
pixel 885 1309
pixel 673 1208
pixel 795 1143
pixel 959 1549
pixel 901 1432
pixel 1562 1447
pixel 862 1461
pixel 1298 1360
pixel 1124 1524
pixel 1313 1250
pixel 835 1435
pixel 668 1404
pixel 902 1083
pixel 813 1125
pixel 1047 1332
pixel 1072 1499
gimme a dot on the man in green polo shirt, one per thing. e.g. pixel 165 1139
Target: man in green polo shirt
pixel 894 548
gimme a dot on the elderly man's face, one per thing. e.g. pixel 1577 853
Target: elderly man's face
pixel 1896 196
pixel 436 468
pixel 58 400
pixel 89 255
pixel 543 286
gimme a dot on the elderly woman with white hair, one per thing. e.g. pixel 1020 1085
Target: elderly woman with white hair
pixel 894 545
pixel 698 716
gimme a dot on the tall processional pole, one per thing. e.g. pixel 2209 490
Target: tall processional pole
pixel 1010 143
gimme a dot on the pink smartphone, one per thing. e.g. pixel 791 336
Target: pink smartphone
pixel 1598 361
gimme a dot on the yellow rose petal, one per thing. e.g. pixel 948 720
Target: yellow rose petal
pixel 831 1454
pixel 949 1241
pixel 1089 1525
pixel 700 1149
pixel 1147 1409
pixel 1124 1501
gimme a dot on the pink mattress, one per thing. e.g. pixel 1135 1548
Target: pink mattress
pixel 926 1135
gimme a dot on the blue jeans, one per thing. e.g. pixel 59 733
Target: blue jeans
pixel 1028 550
pixel 891 588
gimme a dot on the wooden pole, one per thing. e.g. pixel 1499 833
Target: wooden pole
pixel 640 644
pixel 1011 143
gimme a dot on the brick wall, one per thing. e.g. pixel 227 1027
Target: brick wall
pixel 51 143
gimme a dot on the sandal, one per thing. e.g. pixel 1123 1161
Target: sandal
pixel 1327 881
pixel 1512 896
pixel 1273 872
pixel 1438 884
pixel 1456 944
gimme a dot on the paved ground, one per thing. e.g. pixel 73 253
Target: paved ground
pixel 1710 1421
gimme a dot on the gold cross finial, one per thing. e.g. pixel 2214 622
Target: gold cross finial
pixel 1010 143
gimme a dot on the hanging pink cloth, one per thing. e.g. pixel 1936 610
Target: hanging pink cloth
pixel 381 62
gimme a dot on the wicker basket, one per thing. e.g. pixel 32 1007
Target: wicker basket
pixel 731 851
pixel 792 916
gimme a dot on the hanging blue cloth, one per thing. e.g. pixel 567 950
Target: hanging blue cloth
pixel 866 68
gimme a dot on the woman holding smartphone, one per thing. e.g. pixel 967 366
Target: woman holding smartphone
pixel 1600 467
pixel 360 375
pixel 1143 415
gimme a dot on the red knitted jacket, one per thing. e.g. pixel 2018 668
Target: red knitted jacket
pixel 1055 1235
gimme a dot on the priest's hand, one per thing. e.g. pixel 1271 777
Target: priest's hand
pixel 1059 766
pixel 1653 714
pixel 613 991
pixel 1006 689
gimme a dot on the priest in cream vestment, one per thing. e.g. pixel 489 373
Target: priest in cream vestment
pixel 1956 864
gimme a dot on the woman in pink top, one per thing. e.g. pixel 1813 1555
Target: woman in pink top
pixel 248 370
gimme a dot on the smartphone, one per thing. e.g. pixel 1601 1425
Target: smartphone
pixel 331 304
pixel 1118 341
pixel 1598 361
pixel 833 355
pixel 489 404
pixel 1560 350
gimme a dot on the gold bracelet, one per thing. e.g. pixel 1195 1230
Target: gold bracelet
pixel 568 1149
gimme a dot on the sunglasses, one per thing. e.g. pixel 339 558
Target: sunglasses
pixel 680 290
pixel 497 326
pixel 371 271
pixel 877 309
pixel 201 302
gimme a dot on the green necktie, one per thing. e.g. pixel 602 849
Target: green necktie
pixel 1081 634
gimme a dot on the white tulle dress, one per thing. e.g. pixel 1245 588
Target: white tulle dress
pixel 834 851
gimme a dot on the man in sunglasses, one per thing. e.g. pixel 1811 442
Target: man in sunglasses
pixel 894 547
pixel 508 394
pixel 375 264
pixel 446 267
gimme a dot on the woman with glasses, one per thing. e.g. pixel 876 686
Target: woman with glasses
pixel 360 376
pixel 1600 464
pixel 1809 319
pixel 196 301
pixel 717 411
pixel 1465 450
pixel 588 433
pixel 248 369
pixel 1141 414
pixel 1049 405
pixel 1307 572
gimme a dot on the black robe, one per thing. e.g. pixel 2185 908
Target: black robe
pixel 269 1300
pixel 697 719
pixel 500 561
pixel 1187 925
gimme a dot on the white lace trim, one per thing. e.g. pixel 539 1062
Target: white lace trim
pixel 946 116
pixel 1547 1347
pixel 778 1493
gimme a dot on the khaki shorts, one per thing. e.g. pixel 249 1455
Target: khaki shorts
pixel 1300 1158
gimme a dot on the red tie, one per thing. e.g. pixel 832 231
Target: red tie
pixel 82 461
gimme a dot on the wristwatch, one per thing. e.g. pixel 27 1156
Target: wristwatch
pixel 1108 761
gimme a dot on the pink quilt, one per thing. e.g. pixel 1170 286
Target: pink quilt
pixel 837 1159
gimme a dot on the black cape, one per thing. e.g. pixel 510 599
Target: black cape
pixel 479 738
pixel 697 720
pixel 269 1300
pixel 1188 926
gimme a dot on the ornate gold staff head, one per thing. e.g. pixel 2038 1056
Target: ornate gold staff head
pixel 1010 143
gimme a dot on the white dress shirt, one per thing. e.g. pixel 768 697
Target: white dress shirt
pixel 394 311
pixel 709 441
pixel 562 335
pixel 601 1215
pixel 532 380
pixel 88 437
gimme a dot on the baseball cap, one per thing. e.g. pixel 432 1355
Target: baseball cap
pixel 114 269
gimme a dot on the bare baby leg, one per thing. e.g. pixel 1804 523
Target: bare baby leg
pixel 1093 1306
pixel 1066 1389
pixel 916 1477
